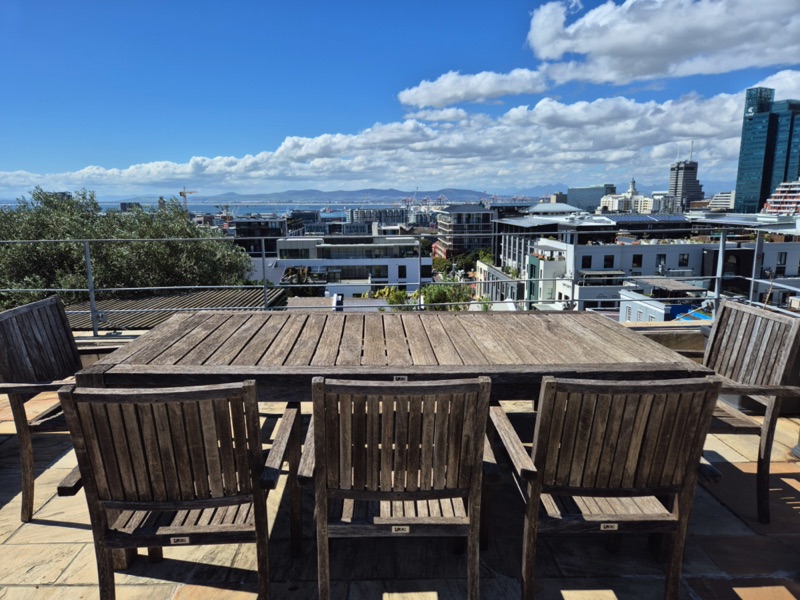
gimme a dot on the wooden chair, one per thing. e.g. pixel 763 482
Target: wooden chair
pixel 612 457
pixel 397 459
pixel 755 351
pixel 37 353
pixel 170 467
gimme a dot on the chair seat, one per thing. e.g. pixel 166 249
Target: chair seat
pixel 728 419
pixel 174 528
pixel 596 514
pixel 350 518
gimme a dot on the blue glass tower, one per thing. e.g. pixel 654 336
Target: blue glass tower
pixel 770 149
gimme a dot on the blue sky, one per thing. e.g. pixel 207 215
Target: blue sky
pixel 144 97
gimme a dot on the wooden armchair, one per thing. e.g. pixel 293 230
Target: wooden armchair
pixel 393 458
pixel 170 466
pixel 37 354
pixel 612 457
pixel 755 351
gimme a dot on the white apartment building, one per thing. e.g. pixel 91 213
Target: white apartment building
pixel 569 276
pixel 353 266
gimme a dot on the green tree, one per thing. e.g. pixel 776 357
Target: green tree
pixel 396 299
pixel 211 260
pixel 441 296
pixel 441 265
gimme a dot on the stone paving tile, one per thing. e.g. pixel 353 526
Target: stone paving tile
pixel 738 492
pixel 709 517
pixel 438 589
pixel 36 564
pixel 61 520
pixel 87 592
pixel 763 555
pixel 624 588
pixel 192 564
pixel 744 589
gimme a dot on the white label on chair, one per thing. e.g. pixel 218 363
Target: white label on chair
pixel 401 377
pixel 400 529
pixel 609 527
pixel 179 540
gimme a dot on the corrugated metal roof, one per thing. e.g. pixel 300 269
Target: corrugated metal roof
pixel 149 311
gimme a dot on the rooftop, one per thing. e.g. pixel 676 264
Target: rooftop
pixel 729 554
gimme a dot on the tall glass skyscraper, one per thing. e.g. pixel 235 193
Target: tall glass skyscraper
pixel 770 150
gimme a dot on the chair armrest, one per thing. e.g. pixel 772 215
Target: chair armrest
pixel 31 389
pixel 491 470
pixel 70 485
pixel 272 467
pixel 745 389
pixel 305 473
pixel 523 464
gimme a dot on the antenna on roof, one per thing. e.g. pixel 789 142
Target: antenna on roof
pixel 691 151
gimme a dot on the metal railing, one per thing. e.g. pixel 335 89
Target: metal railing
pixel 716 281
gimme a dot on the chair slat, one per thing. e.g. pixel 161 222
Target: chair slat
pixel 414 443
pixel 196 448
pixel 458 407
pixel 400 469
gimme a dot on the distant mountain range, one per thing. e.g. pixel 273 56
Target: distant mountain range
pixel 378 196
pixel 375 195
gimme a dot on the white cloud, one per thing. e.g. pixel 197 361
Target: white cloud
pixel 455 88
pixel 647 39
pixel 580 143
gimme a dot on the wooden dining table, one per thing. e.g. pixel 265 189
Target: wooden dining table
pixel 284 350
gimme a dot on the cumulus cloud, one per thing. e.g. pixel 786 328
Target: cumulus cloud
pixel 646 39
pixel 582 143
pixel 455 88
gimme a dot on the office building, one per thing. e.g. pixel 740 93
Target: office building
pixel 683 183
pixel 588 198
pixel 770 149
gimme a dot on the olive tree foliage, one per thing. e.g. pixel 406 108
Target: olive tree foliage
pixel 446 296
pixel 125 264
pixel 397 299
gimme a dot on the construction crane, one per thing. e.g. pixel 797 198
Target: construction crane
pixel 183 195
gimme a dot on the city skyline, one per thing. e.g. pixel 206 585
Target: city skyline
pixel 257 98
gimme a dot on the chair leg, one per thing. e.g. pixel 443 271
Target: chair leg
pixel 323 549
pixel 25 453
pixel 530 532
pixel 105 571
pixel 485 503
pixel 295 496
pixel 771 414
pixel 473 564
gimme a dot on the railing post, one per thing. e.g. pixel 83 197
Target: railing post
pixel 758 263
pixel 720 270
pixel 264 272
pixel 90 281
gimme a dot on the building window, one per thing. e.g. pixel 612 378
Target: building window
pixel 586 262
pixel 628 313
pixel 782 258
pixel 608 261
pixel 639 315
pixel 401 272
pixel 683 260
pixel 651 318
pixel 637 261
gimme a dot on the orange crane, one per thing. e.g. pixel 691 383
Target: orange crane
pixel 183 195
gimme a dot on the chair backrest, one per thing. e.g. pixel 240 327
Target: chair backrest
pixel 165 444
pixel 36 343
pixel 413 439
pixel 753 346
pixel 621 438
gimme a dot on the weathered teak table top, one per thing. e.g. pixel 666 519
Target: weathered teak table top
pixel 286 349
